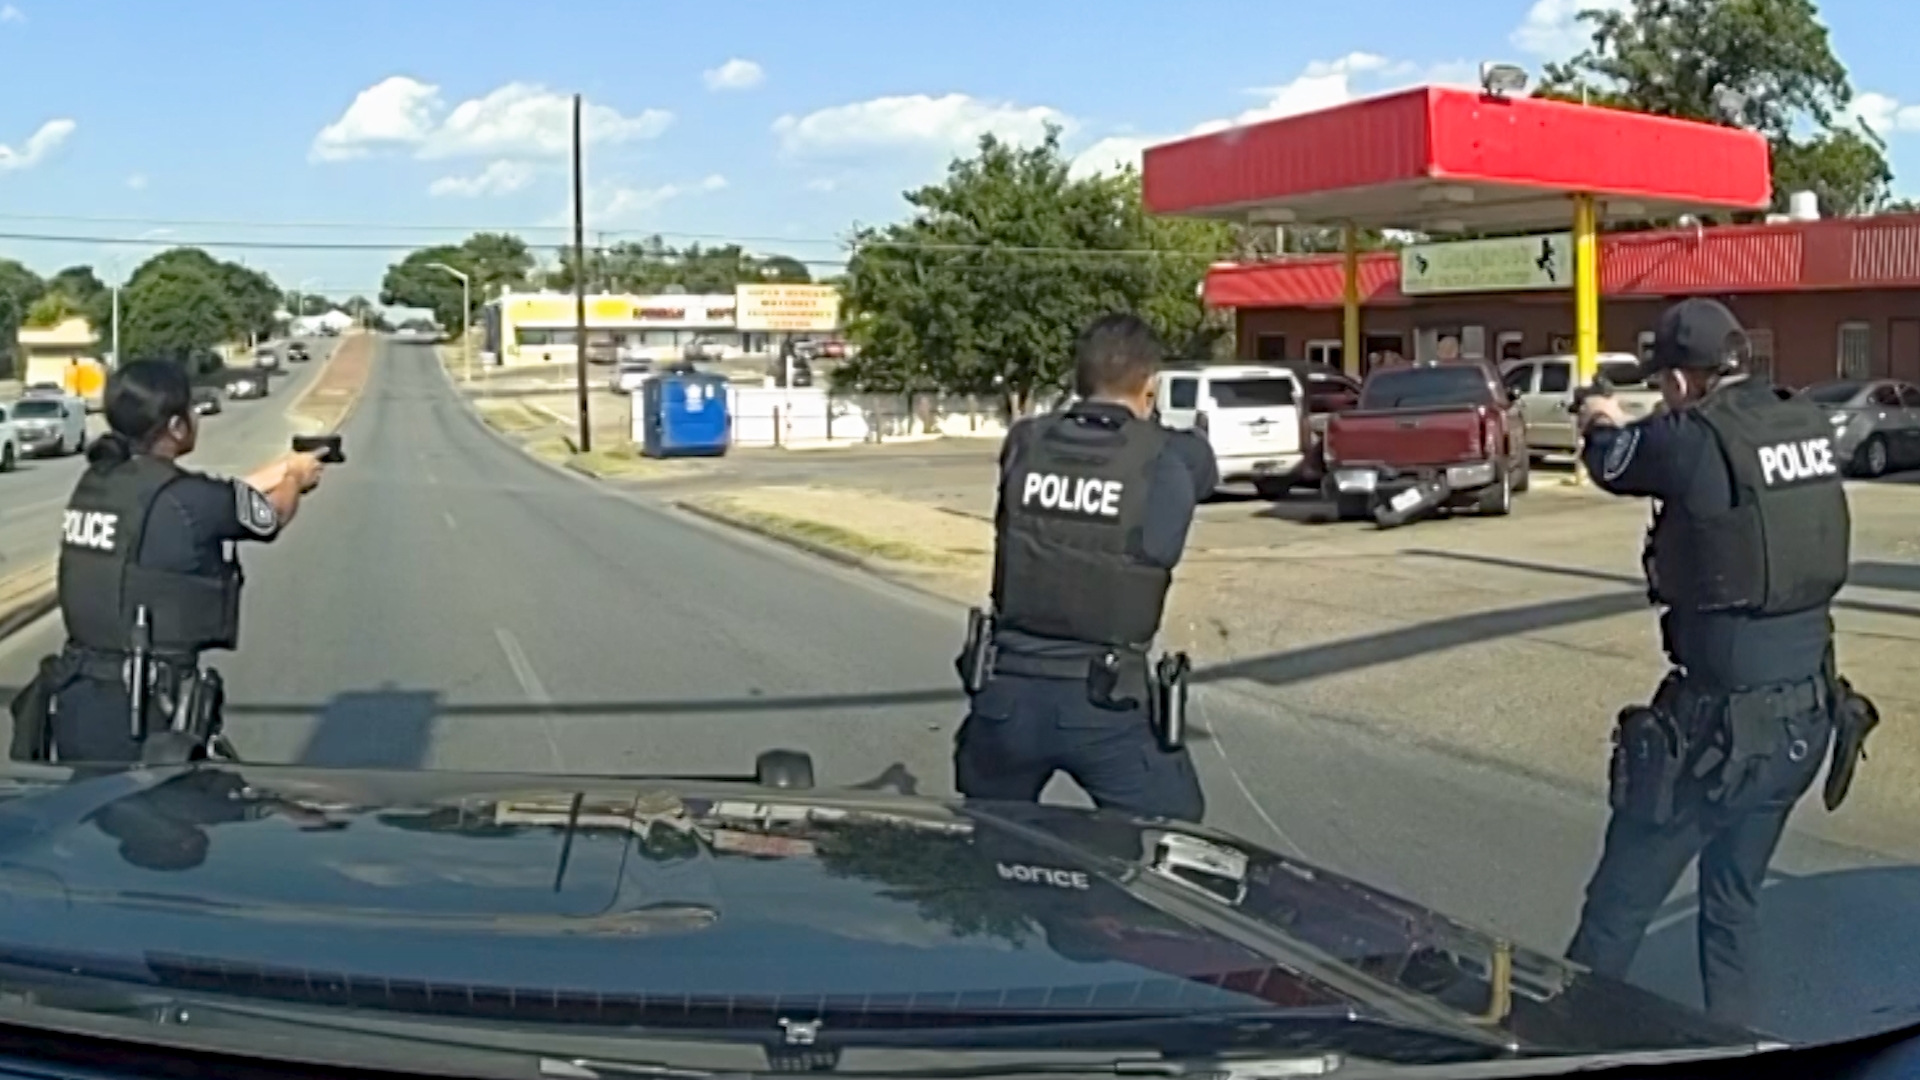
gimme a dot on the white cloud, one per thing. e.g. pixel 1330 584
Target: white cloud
pixel 499 178
pixel 1884 114
pixel 735 74
pixel 38 145
pixel 954 122
pixel 11 14
pixel 1553 30
pixel 615 205
pixel 138 181
pixel 1322 85
pixel 518 120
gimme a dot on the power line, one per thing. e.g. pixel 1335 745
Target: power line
pixel 369 226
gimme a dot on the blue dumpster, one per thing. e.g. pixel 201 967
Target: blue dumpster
pixel 685 415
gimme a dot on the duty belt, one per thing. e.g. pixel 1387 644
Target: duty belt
pixel 104 666
pixel 1061 667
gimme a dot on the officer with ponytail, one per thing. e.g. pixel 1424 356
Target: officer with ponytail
pixel 148 576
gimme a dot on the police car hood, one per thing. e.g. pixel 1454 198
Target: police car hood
pixel 672 902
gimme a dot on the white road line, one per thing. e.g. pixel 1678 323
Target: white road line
pixel 530 684
pixel 449 519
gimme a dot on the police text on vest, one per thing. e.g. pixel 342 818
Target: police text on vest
pixel 1790 461
pixel 90 529
pixel 1077 495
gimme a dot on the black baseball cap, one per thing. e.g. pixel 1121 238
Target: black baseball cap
pixel 1697 335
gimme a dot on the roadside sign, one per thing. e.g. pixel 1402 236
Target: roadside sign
pixel 787 308
pixel 1503 264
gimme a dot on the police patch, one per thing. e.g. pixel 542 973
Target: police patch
pixel 1620 454
pixel 255 511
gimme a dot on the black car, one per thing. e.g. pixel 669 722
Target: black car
pixel 765 921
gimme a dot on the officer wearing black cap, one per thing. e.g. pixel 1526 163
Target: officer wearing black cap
pixel 141 533
pixel 1748 547
pixel 1094 509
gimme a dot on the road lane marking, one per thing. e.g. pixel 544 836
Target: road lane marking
pixel 531 685
pixel 448 515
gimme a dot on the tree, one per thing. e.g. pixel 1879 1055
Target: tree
pixel 78 282
pixel 10 358
pixel 652 266
pixel 177 310
pixel 52 309
pixel 253 297
pixel 20 283
pixel 983 289
pixel 1767 65
pixel 494 261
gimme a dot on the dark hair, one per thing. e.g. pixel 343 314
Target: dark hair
pixel 141 399
pixel 1116 354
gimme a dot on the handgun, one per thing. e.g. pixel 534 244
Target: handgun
pixel 328 448
pixel 1602 387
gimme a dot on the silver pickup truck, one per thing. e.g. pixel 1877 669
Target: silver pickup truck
pixel 1544 386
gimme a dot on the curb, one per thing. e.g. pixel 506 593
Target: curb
pixel 824 551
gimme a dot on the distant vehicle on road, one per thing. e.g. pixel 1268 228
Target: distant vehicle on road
pixel 1451 421
pixel 629 374
pixel 49 425
pixel 297 352
pixel 206 401
pixel 1876 423
pixel 266 358
pixel 44 389
pixel 247 387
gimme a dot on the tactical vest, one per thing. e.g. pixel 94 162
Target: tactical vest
pixel 102 583
pixel 1073 501
pixel 1785 544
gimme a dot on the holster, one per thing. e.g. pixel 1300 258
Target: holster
pixel 192 705
pixel 975 662
pixel 1650 752
pixel 1167 700
pixel 1854 718
pixel 32 709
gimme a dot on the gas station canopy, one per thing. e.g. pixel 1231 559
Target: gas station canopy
pixel 1444 161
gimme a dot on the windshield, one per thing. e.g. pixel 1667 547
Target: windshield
pixel 1835 393
pixel 1425 388
pixel 580 614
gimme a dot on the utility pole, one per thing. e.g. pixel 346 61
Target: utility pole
pixel 585 440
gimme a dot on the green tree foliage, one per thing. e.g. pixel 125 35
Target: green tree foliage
pixel 984 287
pixel 176 309
pixel 10 357
pixel 52 309
pixel 78 282
pixel 20 283
pixel 653 266
pixel 254 298
pixel 494 261
pixel 1767 65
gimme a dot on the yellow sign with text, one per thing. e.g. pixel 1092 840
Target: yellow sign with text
pixel 788 308
pixel 561 310
pixel 1503 264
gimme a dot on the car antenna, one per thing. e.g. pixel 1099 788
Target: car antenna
pixel 566 842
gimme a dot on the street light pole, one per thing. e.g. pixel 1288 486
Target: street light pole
pixel 116 325
pixel 466 318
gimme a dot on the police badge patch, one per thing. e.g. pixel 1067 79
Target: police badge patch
pixel 256 513
pixel 1620 454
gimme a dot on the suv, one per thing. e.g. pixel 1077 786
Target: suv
pixel 297 352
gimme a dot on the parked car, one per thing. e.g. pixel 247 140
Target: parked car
pixel 9 445
pixel 1544 386
pixel 1876 423
pixel 48 425
pixel 1451 421
pixel 799 365
pixel 44 389
pixel 206 401
pixel 1252 416
pixel 629 374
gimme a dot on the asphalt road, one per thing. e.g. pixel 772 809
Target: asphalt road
pixel 445 602
pixel 237 440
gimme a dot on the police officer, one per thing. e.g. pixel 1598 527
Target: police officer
pixel 1094 508
pixel 1749 545
pixel 139 531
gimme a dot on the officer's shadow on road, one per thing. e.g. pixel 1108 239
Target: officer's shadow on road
pixel 1841 958
pixel 387 728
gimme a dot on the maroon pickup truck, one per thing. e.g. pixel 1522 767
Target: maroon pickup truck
pixel 1449 421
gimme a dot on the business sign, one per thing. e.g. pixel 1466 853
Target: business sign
pixel 1505 264
pixel 562 311
pixel 787 308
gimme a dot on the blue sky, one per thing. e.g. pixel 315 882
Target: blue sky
pixel 776 125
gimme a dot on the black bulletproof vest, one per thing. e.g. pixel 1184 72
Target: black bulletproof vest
pixel 102 582
pixel 1073 500
pixel 1784 544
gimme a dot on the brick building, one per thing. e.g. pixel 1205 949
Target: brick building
pixel 1823 299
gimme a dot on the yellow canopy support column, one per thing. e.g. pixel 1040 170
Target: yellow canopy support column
pixel 1350 304
pixel 1586 300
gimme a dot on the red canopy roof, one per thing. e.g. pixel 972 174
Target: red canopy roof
pixel 1439 160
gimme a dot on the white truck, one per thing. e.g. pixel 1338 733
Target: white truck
pixel 1544 386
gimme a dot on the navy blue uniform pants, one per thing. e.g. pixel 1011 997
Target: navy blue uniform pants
pixel 1022 729
pixel 91 719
